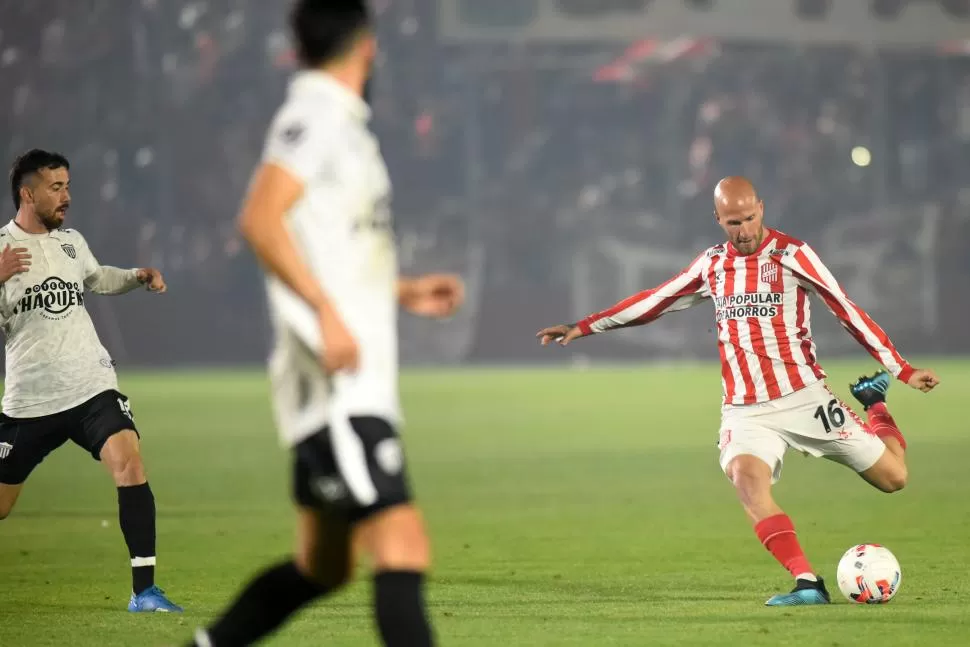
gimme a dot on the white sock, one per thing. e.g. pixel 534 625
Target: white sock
pixel 807 576
pixel 202 638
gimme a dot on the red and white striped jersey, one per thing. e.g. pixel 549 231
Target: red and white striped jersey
pixel 763 316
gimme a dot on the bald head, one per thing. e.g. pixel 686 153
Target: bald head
pixel 735 192
pixel 740 213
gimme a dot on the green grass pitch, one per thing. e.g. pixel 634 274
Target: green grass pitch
pixel 567 508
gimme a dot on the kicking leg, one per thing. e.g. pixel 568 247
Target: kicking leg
pixel 889 473
pixel 322 565
pixel 752 478
pixel 121 456
pixel 397 542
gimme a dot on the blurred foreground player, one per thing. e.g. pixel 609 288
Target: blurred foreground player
pixel 60 381
pixel 775 396
pixel 318 218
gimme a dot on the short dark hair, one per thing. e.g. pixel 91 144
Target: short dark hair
pixel 29 163
pixel 325 29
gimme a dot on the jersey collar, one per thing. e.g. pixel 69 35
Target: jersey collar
pixel 769 236
pixel 19 234
pixel 315 82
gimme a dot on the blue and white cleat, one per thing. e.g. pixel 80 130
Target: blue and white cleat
pixel 152 600
pixel 871 390
pixel 805 592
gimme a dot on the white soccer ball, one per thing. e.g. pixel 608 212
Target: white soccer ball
pixel 869 574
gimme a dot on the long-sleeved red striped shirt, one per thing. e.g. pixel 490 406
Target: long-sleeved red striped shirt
pixel 762 313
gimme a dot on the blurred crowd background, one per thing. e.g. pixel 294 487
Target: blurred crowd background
pixel 557 177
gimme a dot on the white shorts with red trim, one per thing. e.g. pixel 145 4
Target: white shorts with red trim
pixel 812 420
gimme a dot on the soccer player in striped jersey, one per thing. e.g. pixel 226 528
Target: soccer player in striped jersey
pixel 775 396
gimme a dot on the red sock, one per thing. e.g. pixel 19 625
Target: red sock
pixel 778 535
pixel 883 425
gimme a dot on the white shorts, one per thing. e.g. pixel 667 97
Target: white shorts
pixel 812 421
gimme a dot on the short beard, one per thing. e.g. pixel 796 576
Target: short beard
pixel 50 220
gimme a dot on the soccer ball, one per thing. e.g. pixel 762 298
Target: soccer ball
pixel 869 574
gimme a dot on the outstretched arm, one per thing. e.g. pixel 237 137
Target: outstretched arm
pixel 115 280
pixel 807 265
pixel 684 290
pixel 106 279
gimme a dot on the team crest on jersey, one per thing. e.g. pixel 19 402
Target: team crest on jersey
pixel 69 250
pixel 769 273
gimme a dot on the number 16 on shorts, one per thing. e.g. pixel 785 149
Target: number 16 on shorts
pixel 831 417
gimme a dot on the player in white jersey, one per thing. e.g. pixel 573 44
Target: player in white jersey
pixel 60 382
pixel 318 218
pixel 775 396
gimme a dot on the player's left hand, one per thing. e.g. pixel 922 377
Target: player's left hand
pixel 433 295
pixel 923 379
pixel 152 280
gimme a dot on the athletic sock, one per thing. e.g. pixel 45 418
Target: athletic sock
pixel 136 515
pixel 881 423
pixel 400 609
pixel 777 534
pixel 262 607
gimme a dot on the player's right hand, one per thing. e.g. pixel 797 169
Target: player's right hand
pixel 562 334
pixel 13 260
pixel 340 352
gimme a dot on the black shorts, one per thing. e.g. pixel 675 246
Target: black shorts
pixel 356 467
pixel 25 442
